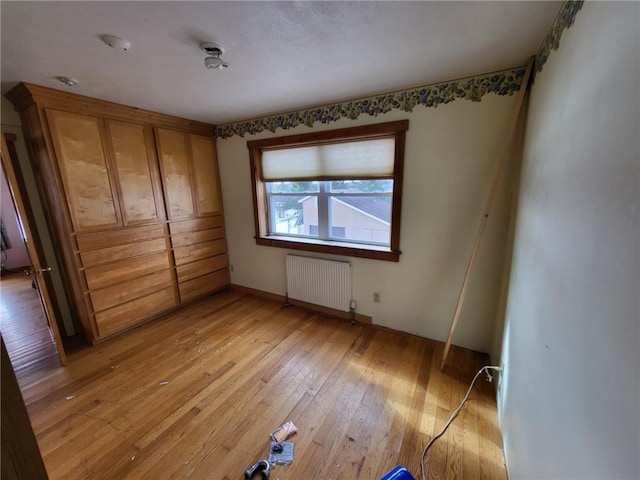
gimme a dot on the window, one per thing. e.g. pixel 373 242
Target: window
pixel 335 192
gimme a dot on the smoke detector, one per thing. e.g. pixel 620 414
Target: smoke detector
pixel 116 42
pixel 213 61
pixel 72 82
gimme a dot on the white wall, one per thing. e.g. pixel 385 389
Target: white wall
pixel 569 402
pixel 16 256
pixel 450 154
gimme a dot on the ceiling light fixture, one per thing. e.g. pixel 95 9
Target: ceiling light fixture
pixel 116 42
pixel 72 82
pixel 214 51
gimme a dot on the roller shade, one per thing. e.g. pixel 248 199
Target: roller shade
pixel 348 160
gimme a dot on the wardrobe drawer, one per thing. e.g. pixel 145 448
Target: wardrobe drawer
pixel 191 238
pixel 206 223
pixel 201 267
pixel 131 290
pixel 98 240
pixel 200 286
pixel 120 252
pixel 199 251
pixel 125 270
pixel 130 313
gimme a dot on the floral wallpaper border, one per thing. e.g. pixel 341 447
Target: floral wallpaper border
pixel 473 88
pixel 565 18
pixel 506 82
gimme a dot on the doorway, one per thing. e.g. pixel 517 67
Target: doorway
pixel 29 323
pixel 23 324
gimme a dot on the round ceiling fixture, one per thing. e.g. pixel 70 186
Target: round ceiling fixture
pixel 213 61
pixel 72 82
pixel 116 42
pixel 211 48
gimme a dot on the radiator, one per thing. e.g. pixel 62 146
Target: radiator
pixel 321 282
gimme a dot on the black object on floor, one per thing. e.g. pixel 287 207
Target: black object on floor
pixel 261 466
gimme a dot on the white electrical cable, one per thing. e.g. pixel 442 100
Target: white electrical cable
pixel 486 369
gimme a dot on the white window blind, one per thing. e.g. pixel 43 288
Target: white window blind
pixel 353 160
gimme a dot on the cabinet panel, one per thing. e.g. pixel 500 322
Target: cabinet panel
pixel 200 286
pixel 127 291
pixel 135 171
pixel 205 169
pixel 77 140
pixel 175 168
pixel 130 313
pixel 124 270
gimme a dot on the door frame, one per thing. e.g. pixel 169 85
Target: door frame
pixel 32 243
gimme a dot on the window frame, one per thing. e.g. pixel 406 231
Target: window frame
pixel 394 130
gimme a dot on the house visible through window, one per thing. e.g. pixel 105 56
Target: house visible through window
pixel 335 192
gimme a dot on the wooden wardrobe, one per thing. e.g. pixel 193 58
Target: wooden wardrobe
pixel 134 199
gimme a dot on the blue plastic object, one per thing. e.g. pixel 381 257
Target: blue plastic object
pixel 398 473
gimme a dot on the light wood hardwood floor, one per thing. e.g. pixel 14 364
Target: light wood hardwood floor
pixel 24 328
pixel 196 394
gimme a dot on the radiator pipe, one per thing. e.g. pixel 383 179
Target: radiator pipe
pixel 352 310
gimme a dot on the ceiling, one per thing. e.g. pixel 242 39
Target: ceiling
pixel 284 56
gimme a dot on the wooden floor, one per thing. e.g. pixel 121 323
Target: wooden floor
pixel 24 328
pixel 196 394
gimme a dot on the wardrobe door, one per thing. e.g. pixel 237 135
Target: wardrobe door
pixel 136 172
pixel 205 167
pixel 176 172
pixel 88 185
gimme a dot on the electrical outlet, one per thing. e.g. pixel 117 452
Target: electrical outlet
pixel 376 297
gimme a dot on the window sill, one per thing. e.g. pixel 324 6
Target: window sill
pixel 335 248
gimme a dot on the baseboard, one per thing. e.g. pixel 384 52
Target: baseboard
pixel 14 270
pixel 366 319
